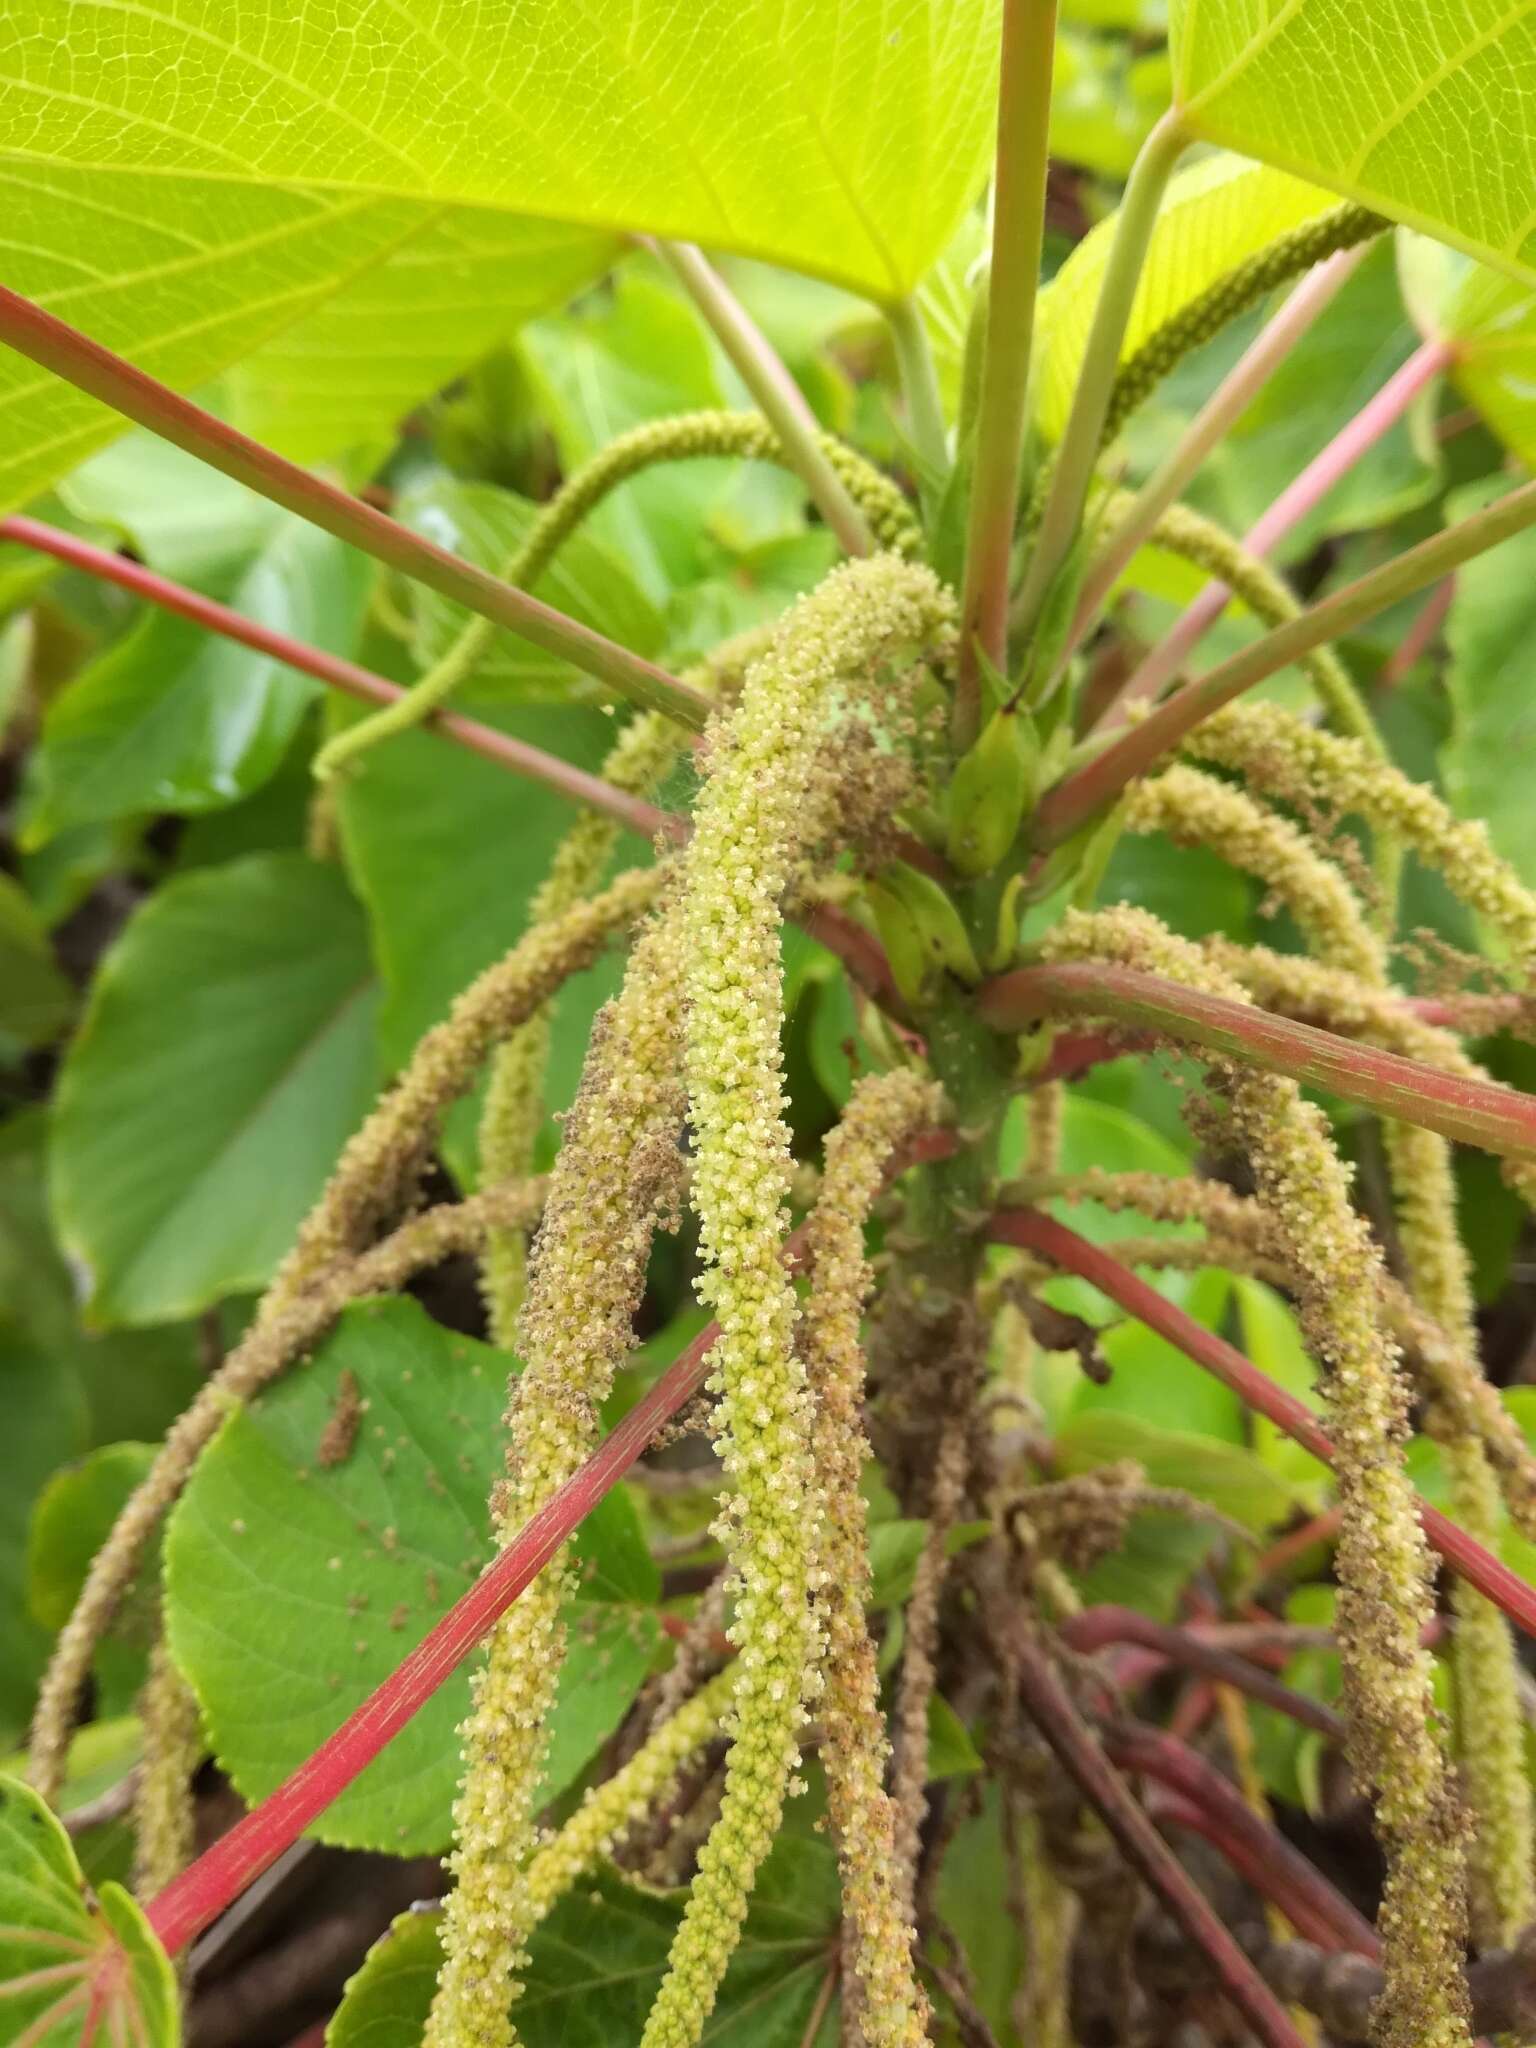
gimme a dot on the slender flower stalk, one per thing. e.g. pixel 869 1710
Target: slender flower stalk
pixel 1215 419
pixel 784 407
pixel 1091 786
pixel 1079 448
pixel 1321 475
pixel 1018 229
pixel 108 377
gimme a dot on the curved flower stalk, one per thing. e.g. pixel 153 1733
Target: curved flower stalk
pixel 1383 1565
pixel 514 1103
pixel 379 1163
pixel 1281 755
pixel 686 437
pixel 617 1173
pixel 270 1345
pixel 882 1111
pixel 163 1821
pixel 771 796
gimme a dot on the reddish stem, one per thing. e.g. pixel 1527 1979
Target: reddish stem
pixel 1095 1628
pixel 1084 1761
pixel 1458 1106
pixel 194 1900
pixel 1257 1852
pixel 108 377
pixel 1420 636
pixel 1323 1528
pixel 1031 1230
pixel 531 762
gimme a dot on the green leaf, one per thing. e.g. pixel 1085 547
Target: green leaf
pixel 35 999
pixel 1214 215
pixel 172 718
pixel 349 177
pixel 1155 1384
pixel 72 1518
pixel 352 1561
pixel 1420 112
pixel 1273 1340
pixel 447 884
pixel 65 1950
pixel 181 517
pixel 951 1752
pixel 586 580
pixel 45 1422
pixel 1227 1475
pixel 1493 704
pixel 225 1056
pixel 596 1963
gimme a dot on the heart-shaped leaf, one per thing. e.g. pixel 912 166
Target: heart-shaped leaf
pixel 349 1506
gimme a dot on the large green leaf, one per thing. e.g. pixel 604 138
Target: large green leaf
pixel 1421 109
pixel 351 1553
pixel 225 1056
pixel 175 719
pixel 595 1965
pixel 1213 216
pixel 190 183
pixel 1492 689
pixel 65 1950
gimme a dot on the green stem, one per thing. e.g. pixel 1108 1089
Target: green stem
pixel 1079 448
pixel 919 387
pixel 1094 784
pixel 1023 129
pixel 94 369
pixel 774 389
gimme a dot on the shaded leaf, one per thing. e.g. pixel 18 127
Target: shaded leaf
pixel 1492 690
pixel 352 1561
pixel 71 1519
pixel 225 1056
pixel 35 998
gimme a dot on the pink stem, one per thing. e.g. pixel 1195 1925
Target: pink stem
pixel 1226 404
pixel 1030 1230
pixel 531 762
pixel 1421 635
pixel 1458 1106
pixel 1289 509
pixel 127 390
pixel 1095 1628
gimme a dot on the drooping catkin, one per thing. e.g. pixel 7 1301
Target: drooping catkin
pixel 684 437
pixel 770 797
pixel 269 1346
pixel 514 1103
pixel 883 1110
pixel 380 1163
pixel 1281 755
pixel 1383 1565
pixel 163 1817
pixel 617 1173
pixel 621 1802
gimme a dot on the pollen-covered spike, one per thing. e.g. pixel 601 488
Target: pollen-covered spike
pixel 619 1171
pixel 1282 755
pixel 379 1164
pixel 770 800
pixel 882 1111
pixel 1382 1559
pixel 514 1103
pixel 163 1818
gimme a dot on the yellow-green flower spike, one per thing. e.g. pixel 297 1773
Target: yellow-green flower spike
pixel 618 1171
pixel 1383 1563
pixel 882 1111
pixel 769 800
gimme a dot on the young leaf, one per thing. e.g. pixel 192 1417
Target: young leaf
pixel 175 719
pixel 72 1518
pixel 187 228
pixel 65 1951
pixel 596 1961
pixel 350 1503
pixel 1422 116
pixel 225 1056
pixel 1214 215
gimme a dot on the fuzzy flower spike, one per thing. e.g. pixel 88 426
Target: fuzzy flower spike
pixel 771 797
